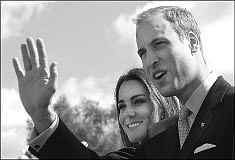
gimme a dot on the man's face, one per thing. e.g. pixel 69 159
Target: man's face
pixel 166 60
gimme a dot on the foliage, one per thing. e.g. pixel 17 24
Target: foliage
pixel 91 123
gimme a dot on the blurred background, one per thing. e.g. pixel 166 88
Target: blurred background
pixel 93 43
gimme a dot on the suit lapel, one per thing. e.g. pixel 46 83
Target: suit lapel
pixel 204 116
pixel 163 143
pixel 162 126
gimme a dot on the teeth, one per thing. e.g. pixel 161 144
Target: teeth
pixel 133 125
pixel 159 74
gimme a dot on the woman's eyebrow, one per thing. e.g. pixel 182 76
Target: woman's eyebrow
pixel 135 96
pixel 120 101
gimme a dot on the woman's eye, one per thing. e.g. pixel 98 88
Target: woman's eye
pixel 139 101
pixel 121 106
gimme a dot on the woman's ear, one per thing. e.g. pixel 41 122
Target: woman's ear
pixel 194 43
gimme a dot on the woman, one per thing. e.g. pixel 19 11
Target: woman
pixel 60 143
pixel 139 105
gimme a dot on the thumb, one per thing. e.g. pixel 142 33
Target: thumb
pixel 53 76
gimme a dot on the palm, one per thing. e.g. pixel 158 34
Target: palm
pixel 37 85
pixel 35 91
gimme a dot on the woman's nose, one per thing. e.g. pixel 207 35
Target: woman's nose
pixel 130 111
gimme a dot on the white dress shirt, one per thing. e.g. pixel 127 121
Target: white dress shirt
pixel 37 141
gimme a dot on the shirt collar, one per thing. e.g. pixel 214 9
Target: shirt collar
pixel 195 100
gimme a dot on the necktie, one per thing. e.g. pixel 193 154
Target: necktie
pixel 183 125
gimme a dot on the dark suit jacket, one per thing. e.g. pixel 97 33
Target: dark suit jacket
pixel 214 125
pixel 216 112
pixel 64 145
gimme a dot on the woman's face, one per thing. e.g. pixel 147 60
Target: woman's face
pixel 135 109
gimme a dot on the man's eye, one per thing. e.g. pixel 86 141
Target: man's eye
pixel 158 44
pixel 141 53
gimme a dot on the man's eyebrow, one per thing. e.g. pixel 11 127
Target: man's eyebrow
pixel 154 40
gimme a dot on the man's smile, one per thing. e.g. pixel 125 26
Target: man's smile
pixel 159 74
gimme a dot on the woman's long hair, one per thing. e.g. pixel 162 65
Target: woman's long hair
pixel 163 107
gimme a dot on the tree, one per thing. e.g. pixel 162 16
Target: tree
pixel 89 122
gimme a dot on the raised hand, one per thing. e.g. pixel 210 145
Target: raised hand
pixel 37 85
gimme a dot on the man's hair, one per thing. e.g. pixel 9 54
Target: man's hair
pixel 180 19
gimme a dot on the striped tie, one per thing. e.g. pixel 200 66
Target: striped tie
pixel 183 125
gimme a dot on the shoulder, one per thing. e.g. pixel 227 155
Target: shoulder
pixel 228 95
pixel 162 126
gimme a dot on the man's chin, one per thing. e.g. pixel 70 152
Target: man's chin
pixel 165 92
pixel 162 89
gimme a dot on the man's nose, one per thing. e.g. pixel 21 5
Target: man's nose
pixel 151 61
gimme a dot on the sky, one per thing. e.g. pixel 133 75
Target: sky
pixel 93 43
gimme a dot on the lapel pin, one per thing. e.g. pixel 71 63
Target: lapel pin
pixel 202 124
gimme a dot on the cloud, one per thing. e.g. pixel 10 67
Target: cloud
pixel 218 45
pixel 15 14
pixel 208 13
pixel 184 4
pixel 13 124
pixel 11 106
pixel 125 30
pixel 13 141
pixel 97 89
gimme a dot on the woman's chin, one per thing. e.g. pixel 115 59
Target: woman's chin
pixel 136 139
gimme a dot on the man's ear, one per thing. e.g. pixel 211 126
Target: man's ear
pixel 194 43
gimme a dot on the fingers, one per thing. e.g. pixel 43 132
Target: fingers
pixel 42 53
pixel 34 56
pixel 26 59
pixel 53 75
pixel 32 52
pixel 18 69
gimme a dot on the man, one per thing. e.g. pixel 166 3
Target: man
pixel 169 45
